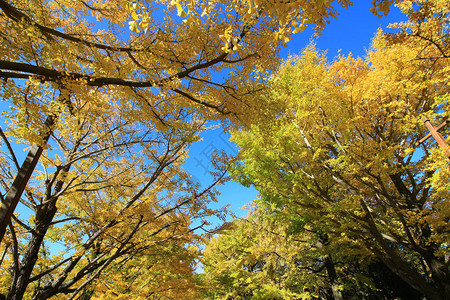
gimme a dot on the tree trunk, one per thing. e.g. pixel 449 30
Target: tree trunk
pixel 332 276
pixel 20 182
pixel 44 217
pixel 396 264
pixel 439 274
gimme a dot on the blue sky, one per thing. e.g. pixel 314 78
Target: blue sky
pixel 351 32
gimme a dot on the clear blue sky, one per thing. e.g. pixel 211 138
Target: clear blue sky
pixel 352 31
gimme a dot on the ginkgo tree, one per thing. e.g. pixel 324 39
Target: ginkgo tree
pixel 79 44
pixel 119 109
pixel 279 254
pixel 110 189
pixel 336 143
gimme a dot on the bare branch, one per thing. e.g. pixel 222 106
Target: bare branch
pixel 11 152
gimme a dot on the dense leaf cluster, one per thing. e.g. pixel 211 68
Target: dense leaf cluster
pixel 347 197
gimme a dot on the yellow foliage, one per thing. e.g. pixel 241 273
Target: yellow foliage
pixel 336 141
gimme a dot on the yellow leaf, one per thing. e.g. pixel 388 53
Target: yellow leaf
pixel 181 12
pixel 133 26
pixel 134 16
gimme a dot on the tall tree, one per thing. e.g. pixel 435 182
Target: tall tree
pixel 336 142
pixel 76 64
pixel 105 92
pixel 170 55
pixel 110 191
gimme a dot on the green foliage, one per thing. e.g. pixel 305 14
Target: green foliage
pixel 334 145
pixel 262 258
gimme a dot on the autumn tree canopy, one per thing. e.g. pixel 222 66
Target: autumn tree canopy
pixel 176 50
pixel 332 149
pixel 110 188
pixel 165 64
pixel 111 94
pixel 271 254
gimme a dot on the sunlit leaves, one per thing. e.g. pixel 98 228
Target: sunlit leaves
pixel 335 142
